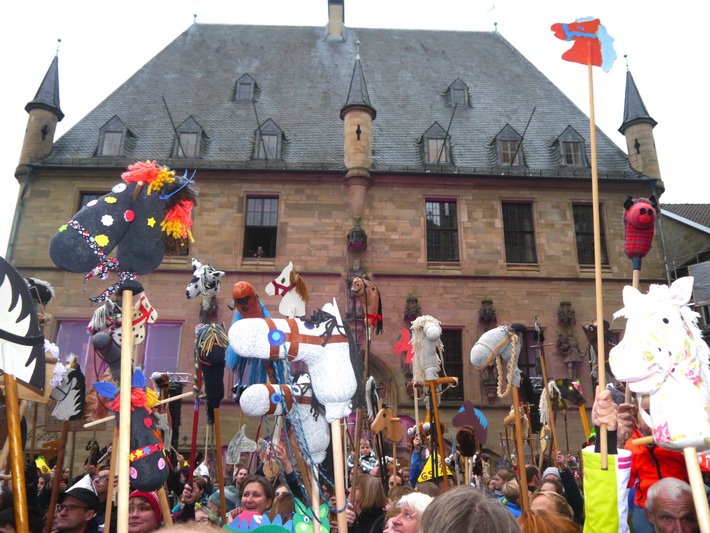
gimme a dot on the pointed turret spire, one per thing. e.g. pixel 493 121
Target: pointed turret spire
pixel 357 95
pixel 637 128
pixel 47 96
pixel 634 108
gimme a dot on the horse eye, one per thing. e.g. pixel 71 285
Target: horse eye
pixel 119 187
pixel 283 279
pixel 665 321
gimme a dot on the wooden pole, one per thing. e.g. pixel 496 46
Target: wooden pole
pixel 195 421
pixel 111 476
pixel 6 447
pixel 124 428
pixel 597 256
pixel 546 392
pixel 315 498
pixel 165 506
pixel 439 436
pixel 220 469
pixel 585 421
pixel 520 451
pixel 339 474
pixel 34 431
pixel 698 488
pixel 57 478
pixel 14 436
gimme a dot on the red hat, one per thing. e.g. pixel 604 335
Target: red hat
pixel 152 499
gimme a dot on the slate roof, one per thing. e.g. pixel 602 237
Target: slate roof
pixel 634 108
pixel 303 80
pixel 47 96
pixel 696 213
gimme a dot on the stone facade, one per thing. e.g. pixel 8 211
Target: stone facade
pixel 313 221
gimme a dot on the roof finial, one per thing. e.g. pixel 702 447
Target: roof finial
pixel 495 27
pixel 357 50
pixel 194 18
pixel 59 40
pixel 626 59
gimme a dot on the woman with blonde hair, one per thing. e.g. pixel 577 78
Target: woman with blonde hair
pixel 550 502
pixel 366 513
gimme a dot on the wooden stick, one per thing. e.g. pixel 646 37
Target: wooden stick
pixel 220 469
pixel 642 441
pixel 34 431
pixel 315 499
pixel 111 477
pixel 195 421
pixel 585 421
pixel 57 477
pixel 546 392
pixel 597 255
pixel 14 436
pixel 6 447
pixel 339 474
pixel 698 488
pixel 124 429
pixel 439 436
pixel 165 506
pixel 161 402
pixel 416 410
pixel 520 451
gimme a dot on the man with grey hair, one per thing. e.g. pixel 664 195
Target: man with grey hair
pixel 669 507
pixel 411 507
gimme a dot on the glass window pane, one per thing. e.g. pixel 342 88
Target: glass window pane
pixel 584 233
pixel 519 233
pixel 187 147
pixel 442 231
pixel 112 143
pixel 72 338
pixel 453 363
pixel 162 347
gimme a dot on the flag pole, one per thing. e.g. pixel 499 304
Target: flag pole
pixel 597 252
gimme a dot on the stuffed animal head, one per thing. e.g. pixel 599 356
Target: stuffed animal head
pixel 639 225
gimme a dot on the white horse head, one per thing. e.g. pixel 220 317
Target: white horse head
pixel 293 291
pixel 497 345
pixel 426 341
pixel 323 342
pixel 663 355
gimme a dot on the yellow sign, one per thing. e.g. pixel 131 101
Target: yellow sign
pixel 427 472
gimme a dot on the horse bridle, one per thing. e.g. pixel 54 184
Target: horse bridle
pixel 282 290
pixel 295 339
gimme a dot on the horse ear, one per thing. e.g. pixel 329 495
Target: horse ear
pixel 195 264
pixel 682 290
pixel 631 296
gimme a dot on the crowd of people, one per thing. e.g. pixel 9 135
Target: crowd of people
pixel 661 499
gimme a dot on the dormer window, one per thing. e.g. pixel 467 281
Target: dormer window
pixel 457 94
pixel 245 88
pixel 571 148
pixel 189 140
pixel 509 148
pixel 113 137
pixel 435 146
pixel 268 142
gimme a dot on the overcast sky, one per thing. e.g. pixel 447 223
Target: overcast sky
pixel 104 43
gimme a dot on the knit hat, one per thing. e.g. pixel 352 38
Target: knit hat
pixel 82 490
pixel 152 499
pixel 231 498
pixel 551 470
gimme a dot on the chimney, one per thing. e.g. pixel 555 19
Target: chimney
pixel 336 16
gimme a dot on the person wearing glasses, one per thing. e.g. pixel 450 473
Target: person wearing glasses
pixel 103 488
pixel 144 515
pixel 76 510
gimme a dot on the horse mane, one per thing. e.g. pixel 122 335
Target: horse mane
pixel 301 289
pixel 179 200
pixel 317 408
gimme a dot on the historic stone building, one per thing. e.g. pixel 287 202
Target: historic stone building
pixel 443 164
